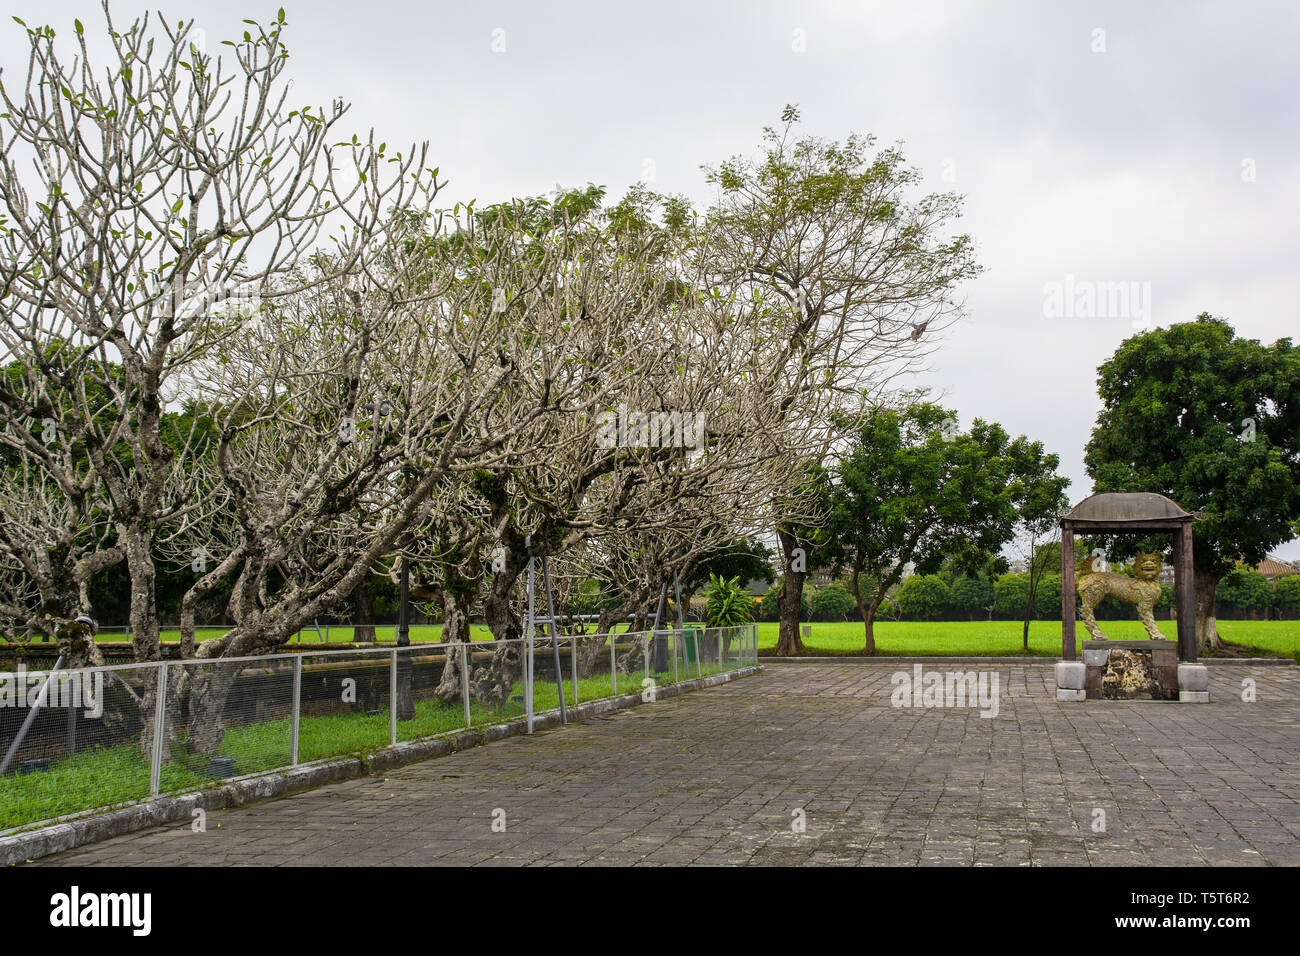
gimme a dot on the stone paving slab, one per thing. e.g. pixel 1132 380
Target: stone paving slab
pixel 725 775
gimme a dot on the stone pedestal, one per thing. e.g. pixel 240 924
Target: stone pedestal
pixel 1147 670
pixel 1162 669
pixel 1070 677
pixel 1194 683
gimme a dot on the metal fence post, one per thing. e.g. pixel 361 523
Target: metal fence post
pixel 645 653
pixel 613 661
pixel 464 678
pixel 699 658
pixel 159 726
pixel 573 650
pixel 676 641
pixel 528 649
pixel 392 698
pixel 297 708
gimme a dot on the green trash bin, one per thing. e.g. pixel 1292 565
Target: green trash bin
pixel 692 635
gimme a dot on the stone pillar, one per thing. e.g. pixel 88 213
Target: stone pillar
pixel 1069 651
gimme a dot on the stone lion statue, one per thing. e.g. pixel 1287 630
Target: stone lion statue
pixel 1143 589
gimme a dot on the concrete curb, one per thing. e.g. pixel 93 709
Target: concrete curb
pixel 1228 661
pixel 1044 661
pixel 954 659
pixel 78 831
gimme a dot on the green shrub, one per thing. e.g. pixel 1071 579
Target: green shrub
pixel 1244 589
pixel 922 597
pixel 970 598
pixel 1166 601
pixel 833 603
pixel 1047 598
pixel 730 602
pixel 1010 592
pixel 1286 592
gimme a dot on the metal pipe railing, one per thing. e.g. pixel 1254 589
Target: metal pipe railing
pixel 154 676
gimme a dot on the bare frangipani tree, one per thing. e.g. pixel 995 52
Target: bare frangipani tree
pixel 58 530
pixel 670 413
pixel 136 196
pixel 592 301
pixel 53 541
pixel 860 275
pixel 236 343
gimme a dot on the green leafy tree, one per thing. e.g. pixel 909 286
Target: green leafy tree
pixel 1042 501
pixel 1212 421
pixel 913 489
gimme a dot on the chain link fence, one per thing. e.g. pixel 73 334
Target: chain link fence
pixel 94 738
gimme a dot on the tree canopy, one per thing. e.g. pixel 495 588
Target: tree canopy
pixel 913 489
pixel 1211 420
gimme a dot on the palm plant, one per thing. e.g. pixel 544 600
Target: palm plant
pixel 730 603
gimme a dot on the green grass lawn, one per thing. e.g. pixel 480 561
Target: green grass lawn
pixel 893 638
pixel 900 638
pixel 1003 638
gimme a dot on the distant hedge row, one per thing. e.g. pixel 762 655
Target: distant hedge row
pixel 931 597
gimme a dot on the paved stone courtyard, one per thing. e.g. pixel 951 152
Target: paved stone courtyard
pixel 719 776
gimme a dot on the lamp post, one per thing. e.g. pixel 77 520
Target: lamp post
pixel 382 409
pixel 403 705
pixel 404 612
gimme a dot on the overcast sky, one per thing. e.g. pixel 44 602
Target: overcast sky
pixel 1156 143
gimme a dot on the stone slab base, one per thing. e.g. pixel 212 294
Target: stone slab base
pixel 1081 680
pixel 1164 661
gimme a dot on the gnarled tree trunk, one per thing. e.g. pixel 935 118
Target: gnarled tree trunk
pixel 455 631
pixel 363 613
pixel 207 689
pixel 789 643
pixel 1207 633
